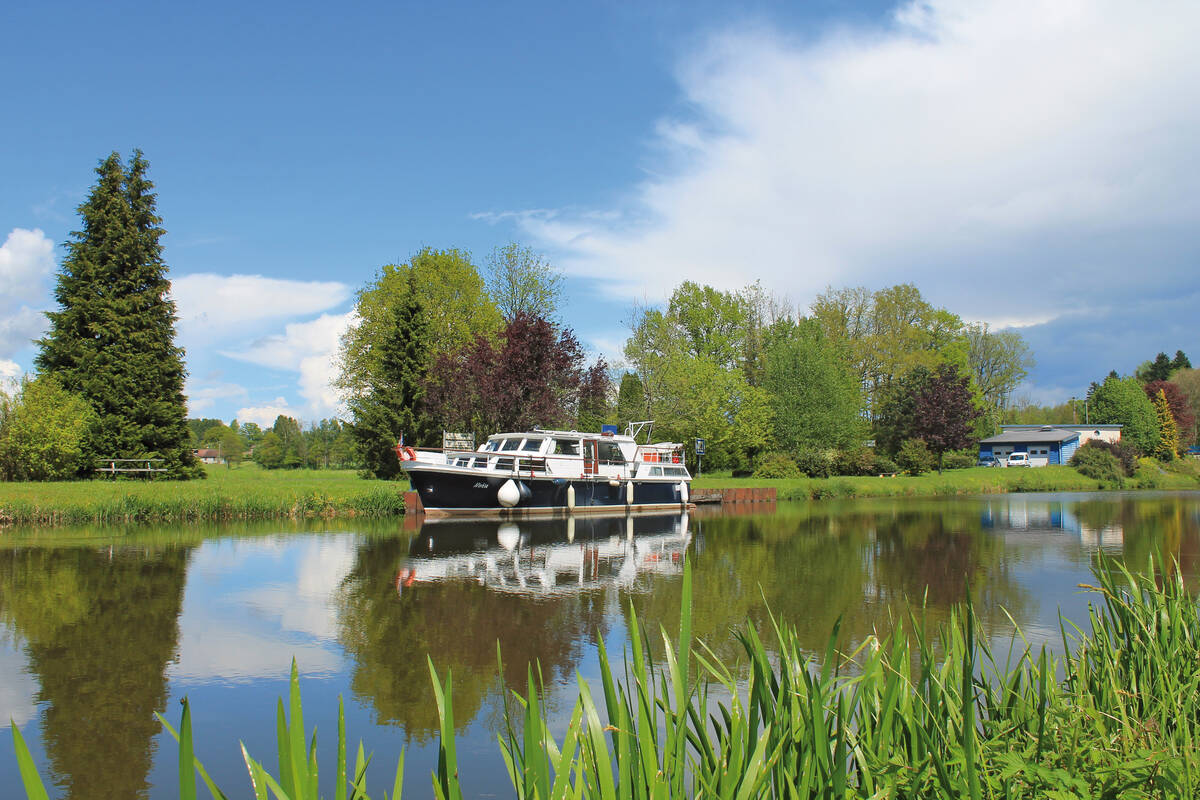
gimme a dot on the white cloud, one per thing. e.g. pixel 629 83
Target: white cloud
pixel 202 396
pixel 26 259
pixel 226 306
pixel 308 348
pixel 264 415
pixel 1003 155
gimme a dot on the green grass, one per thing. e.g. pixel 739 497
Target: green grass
pixel 927 713
pixel 972 481
pixel 246 492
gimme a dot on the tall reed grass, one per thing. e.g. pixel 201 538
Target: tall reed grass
pixel 924 714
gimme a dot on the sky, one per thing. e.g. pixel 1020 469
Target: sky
pixel 1026 164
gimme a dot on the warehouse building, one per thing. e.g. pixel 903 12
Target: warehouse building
pixel 1045 444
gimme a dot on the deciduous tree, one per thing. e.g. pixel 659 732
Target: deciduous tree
pixel 45 432
pixel 1181 411
pixel 933 406
pixel 522 281
pixel 112 339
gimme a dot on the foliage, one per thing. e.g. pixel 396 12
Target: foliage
pixel 594 390
pixel 631 400
pixel 521 281
pixel 392 407
pixel 1122 401
pixel 531 378
pixel 1125 455
pixel 816 463
pixel 997 362
pixel 915 457
pixel 453 301
pixel 886 334
pixel 815 400
pixel 45 432
pixel 1162 367
pixel 1188 381
pixel 1168 432
pixel 1098 463
pixel 960 459
pixel 1181 412
pixel 858 461
pixel 935 407
pixel 112 339
pixel 776 465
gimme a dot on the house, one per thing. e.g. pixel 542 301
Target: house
pixel 1045 444
pixel 208 456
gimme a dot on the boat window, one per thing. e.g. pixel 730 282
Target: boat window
pixel 510 444
pixel 566 447
pixel 491 445
pixel 504 463
pixel 610 453
pixel 532 445
pixel 655 471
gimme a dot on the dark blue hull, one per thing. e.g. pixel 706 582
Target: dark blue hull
pixel 462 492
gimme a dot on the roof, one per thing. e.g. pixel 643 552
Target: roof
pixel 1036 435
pixel 1079 427
pixel 206 453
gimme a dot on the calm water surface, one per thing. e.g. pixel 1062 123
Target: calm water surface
pixel 101 628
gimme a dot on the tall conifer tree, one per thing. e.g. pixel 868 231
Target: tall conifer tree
pixel 113 338
pixel 394 405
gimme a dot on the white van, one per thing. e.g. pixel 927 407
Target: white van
pixel 1017 460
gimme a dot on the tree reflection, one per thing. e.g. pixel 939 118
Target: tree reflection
pixel 457 623
pixel 99 628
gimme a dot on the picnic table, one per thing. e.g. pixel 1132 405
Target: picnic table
pixel 134 466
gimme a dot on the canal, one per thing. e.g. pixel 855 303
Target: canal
pixel 102 627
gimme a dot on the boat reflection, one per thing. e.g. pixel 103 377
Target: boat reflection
pixel 547 556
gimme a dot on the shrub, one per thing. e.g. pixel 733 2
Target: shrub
pixel 815 463
pixel 959 459
pixel 885 466
pixel 860 461
pixel 45 432
pixel 1098 463
pixel 1125 455
pixel 776 465
pixel 915 457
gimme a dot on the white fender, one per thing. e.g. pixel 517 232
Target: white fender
pixel 508 495
pixel 629 493
pixel 570 497
pixel 683 492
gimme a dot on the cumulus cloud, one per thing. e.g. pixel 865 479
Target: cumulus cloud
pixel 226 306
pixel 26 260
pixel 264 415
pixel 201 396
pixel 1011 158
pixel 307 348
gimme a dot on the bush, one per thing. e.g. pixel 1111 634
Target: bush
pixel 959 459
pixel 776 465
pixel 45 432
pixel 815 463
pixel 1098 463
pixel 885 466
pixel 914 457
pixel 1125 455
pixel 855 462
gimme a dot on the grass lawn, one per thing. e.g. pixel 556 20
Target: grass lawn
pixel 245 492
pixel 975 480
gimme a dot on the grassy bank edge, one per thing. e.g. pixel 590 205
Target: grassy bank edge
pixel 973 481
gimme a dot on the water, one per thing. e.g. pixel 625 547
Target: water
pixel 101 628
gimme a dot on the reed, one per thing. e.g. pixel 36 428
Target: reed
pixel 923 714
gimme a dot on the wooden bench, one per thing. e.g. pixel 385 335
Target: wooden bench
pixel 133 466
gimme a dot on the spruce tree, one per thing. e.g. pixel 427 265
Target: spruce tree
pixel 393 406
pixel 113 338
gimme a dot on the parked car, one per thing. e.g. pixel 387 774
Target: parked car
pixel 989 461
pixel 1018 460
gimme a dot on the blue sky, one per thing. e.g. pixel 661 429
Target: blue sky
pixel 1021 164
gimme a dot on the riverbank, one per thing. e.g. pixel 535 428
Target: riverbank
pixel 972 481
pixel 244 493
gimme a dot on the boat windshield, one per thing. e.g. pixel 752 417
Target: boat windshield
pixel 510 444
pixel 532 445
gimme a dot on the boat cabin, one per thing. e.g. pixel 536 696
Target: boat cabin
pixel 572 454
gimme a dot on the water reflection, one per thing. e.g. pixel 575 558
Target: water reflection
pixel 99 636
